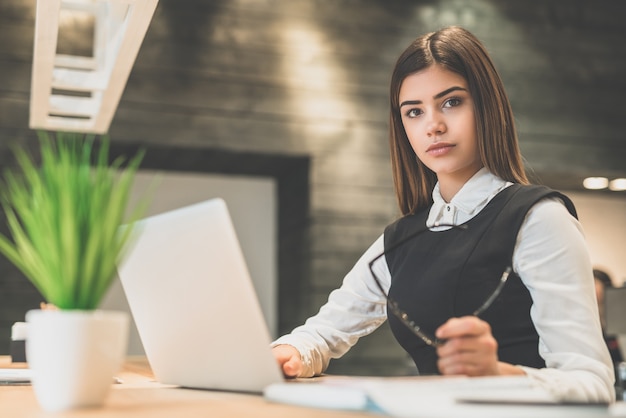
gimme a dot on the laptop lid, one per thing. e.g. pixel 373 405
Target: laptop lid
pixel 194 304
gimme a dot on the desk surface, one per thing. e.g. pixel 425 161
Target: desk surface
pixel 139 396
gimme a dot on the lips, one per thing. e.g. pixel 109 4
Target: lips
pixel 439 148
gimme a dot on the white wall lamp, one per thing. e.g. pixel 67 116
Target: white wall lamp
pixel 81 93
pixel 617 185
pixel 600 183
pixel 595 183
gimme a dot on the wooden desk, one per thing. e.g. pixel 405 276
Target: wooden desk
pixel 139 396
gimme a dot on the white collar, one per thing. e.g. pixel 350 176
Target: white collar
pixel 471 199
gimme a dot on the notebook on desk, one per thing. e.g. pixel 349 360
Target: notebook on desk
pixel 191 296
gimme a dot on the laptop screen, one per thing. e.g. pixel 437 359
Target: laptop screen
pixel 191 296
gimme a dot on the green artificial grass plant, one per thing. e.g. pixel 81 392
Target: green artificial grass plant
pixel 64 216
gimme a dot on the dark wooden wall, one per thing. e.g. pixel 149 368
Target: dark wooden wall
pixel 308 79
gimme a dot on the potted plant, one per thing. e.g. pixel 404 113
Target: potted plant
pixel 65 216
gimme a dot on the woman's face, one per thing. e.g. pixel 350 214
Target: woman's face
pixel 438 116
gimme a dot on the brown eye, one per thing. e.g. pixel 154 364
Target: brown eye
pixel 413 113
pixel 452 102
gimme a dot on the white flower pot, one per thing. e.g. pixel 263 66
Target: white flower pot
pixel 74 355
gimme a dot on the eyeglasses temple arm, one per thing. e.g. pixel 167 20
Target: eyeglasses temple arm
pixel 371 266
pixel 495 293
pixel 404 317
pixel 402 242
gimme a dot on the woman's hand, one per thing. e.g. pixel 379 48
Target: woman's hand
pixel 470 348
pixel 289 360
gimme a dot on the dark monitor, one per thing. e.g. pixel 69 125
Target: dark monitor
pixel 615 310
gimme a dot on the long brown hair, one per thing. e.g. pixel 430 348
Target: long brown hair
pixel 459 51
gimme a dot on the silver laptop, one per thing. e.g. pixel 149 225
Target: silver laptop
pixel 191 296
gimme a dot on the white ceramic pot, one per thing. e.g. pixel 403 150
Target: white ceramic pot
pixel 74 355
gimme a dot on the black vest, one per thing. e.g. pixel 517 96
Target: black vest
pixel 439 275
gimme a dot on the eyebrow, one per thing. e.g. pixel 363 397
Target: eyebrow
pixel 436 96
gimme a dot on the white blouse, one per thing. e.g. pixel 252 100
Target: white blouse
pixel 554 264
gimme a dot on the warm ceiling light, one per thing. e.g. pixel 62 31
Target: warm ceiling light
pixel 618 185
pixel 76 92
pixel 595 183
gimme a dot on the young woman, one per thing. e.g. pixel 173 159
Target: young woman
pixel 459 179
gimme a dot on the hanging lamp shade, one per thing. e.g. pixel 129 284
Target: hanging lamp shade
pixel 80 93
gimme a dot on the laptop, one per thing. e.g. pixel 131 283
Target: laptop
pixel 194 304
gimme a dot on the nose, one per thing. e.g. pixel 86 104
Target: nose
pixel 436 125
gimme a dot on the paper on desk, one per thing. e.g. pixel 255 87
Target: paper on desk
pixel 432 397
pixel 318 395
pixel 15 376
pixel 484 397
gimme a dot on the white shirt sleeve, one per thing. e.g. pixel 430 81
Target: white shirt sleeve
pixel 552 259
pixel 353 310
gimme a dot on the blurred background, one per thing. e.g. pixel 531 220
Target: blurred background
pixel 294 94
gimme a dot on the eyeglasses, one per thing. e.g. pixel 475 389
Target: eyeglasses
pixel 402 315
